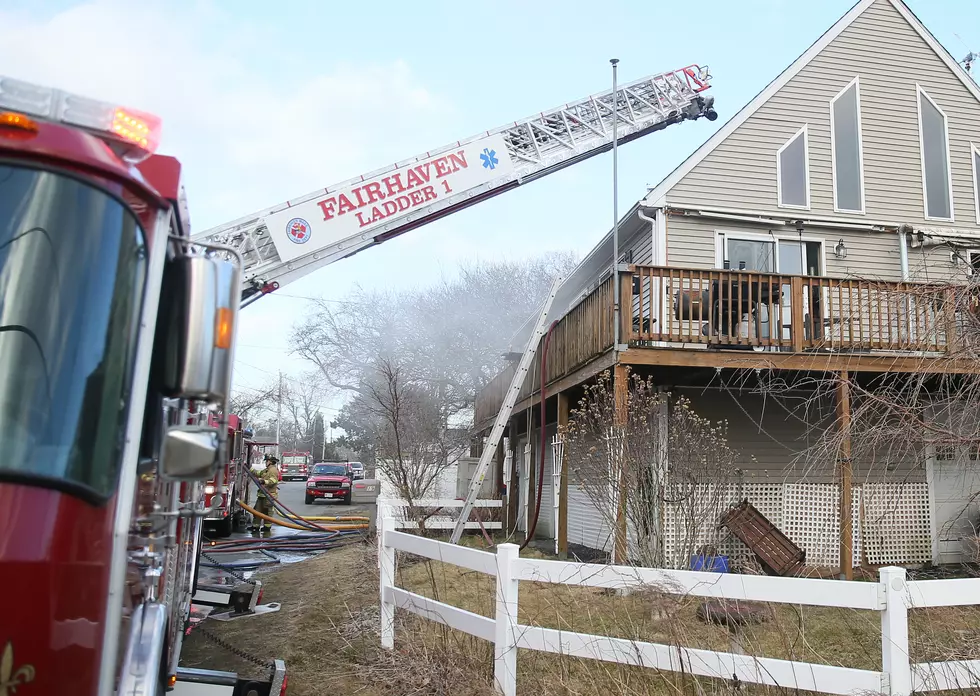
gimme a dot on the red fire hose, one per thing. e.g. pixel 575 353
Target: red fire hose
pixel 544 441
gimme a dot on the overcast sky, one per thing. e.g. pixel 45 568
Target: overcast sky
pixel 267 101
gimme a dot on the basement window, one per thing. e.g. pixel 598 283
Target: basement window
pixel 848 160
pixel 793 171
pixel 937 190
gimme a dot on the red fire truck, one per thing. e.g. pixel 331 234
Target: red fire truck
pixel 116 342
pixel 295 465
pixel 222 498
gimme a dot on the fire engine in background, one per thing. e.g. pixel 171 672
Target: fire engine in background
pixel 116 341
pixel 222 498
pixel 227 515
pixel 295 465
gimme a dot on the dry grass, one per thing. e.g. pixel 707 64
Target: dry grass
pixel 327 632
pixel 820 635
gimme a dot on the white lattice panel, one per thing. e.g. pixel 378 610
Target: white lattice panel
pixel 891 523
pixel 686 529
pixel 896 525
pixel 810 519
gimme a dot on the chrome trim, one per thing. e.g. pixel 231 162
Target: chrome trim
pixel 140 673
pixel 125 492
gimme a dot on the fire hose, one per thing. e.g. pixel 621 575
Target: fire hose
pixel 304 542
pixel 290 525
pixel 298 521
pixel 544 440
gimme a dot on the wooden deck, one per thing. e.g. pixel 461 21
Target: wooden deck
pixel 710 318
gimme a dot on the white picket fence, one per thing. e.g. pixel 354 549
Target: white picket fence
pixel 392 508
pixel 892 596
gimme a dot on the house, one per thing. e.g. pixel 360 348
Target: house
pixel 821 240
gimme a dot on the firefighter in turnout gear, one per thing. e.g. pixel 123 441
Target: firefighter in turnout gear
pixel 270 479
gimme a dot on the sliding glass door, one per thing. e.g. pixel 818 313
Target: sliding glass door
pixel 774 254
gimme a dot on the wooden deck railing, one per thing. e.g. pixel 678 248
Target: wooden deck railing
pixel 585 332
pixel 791 313
pixel 676 307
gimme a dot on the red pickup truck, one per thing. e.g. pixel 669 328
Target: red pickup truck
pixel 328 481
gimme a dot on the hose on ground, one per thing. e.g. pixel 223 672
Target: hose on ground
pixel 290 525
pixel 272 543
pixel 329 518
pixel 544 441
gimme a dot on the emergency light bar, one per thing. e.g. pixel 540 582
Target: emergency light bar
pixel 136 129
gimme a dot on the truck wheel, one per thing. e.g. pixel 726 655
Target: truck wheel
pixel 347 499
pixel 309 499
pixel 223 527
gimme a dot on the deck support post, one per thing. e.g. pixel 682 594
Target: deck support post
pixel 533 438
pixel 846 476
pixel 513 490
pixel 562 531
pixel 498 475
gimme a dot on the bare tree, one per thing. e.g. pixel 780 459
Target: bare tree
pixel 661 464
pixel 412 446
pixel 302 402
pixel 450 336
pixel 250 404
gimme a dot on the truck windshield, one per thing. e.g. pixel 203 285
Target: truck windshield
pixel 72 268
pixel 330 470
pixel 294 460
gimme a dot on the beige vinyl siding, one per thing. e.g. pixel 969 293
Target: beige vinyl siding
pixel 635 236
pixel 890 58
pixel 870 255
pixel 785 439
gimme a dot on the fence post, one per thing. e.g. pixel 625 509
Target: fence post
pixel 386 561
pixel 895 632
pixel 505 636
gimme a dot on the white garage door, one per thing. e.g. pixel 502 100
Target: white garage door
pixel 956 489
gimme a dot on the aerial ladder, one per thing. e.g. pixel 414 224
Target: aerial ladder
pixel 288 241
pixel 291 240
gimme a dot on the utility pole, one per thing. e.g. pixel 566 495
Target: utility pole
pixel 279 415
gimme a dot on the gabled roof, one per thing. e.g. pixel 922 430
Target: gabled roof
pixel 659 194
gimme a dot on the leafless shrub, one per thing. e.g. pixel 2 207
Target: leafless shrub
pixel 661 461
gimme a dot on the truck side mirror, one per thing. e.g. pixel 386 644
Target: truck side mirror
pixel 190 453
pixel 196 331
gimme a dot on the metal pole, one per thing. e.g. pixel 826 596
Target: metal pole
pixel 279 416
pixel 615 261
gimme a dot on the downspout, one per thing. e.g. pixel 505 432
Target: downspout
pixel 654 242
pixel 903 256
pixel 656 284
pixel 903 251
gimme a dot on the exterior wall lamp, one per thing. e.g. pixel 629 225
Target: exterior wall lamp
pixel 840 251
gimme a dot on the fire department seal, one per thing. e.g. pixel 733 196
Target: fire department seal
pixel 298 231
